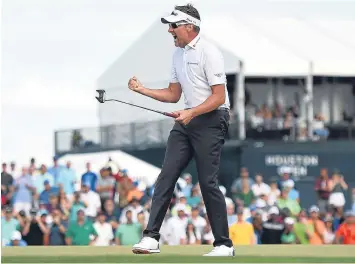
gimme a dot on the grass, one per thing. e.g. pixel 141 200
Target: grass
pixel 181 254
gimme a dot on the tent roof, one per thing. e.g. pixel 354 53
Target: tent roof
pixel 270 39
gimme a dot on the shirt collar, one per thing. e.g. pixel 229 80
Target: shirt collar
pixel 192 44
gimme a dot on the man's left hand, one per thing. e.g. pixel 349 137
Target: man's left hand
pixel 185 116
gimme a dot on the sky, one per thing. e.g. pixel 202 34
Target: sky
pixel 52 53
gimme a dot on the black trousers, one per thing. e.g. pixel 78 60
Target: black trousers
pixel 202 139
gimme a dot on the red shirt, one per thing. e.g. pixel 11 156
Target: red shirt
pixel 347 232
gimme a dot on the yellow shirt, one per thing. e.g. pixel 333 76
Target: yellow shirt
pixel 242 233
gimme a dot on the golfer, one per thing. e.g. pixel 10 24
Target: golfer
pixel 199 130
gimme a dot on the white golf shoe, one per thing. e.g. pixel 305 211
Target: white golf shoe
pixel 147 245
pixel 221 251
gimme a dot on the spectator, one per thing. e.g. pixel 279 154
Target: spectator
pixel 319 129
pixel 57 229
pixel 207 235
pixel 48 192
pixel 24 190
pixel 135 208
pixel 53 203
pixel 16 240
pixel 67 180
pixel 337 186
pixel 35 233
pixel 8 225
pixel 329 235
pixel 182 201
pixel 302 229
pixel 41 178
pixel 176 229
pixel 338 217
pixel 7 181
pixel 346 232
pixel 224 191
pixel 194 199
pixel 105 186
pixel 64 202
pixel 285 201
pixel 186 190
pixel 257 119
pixel 288 236
pixel 260 187
pixel 237 184
pixel 142 220
pixel 123 186
pixel 317 226
pixel 128 233
pixel 293 194
pixel 231 216
pixel 257 222
pixel 285 176
pixel 55 170
pixel 103 230
pixel 322 189
pixel 272 228
pixel 192 235
pixel 89 178
pixel 241 232
pixel 112 214
pixel 77 205
pixel 245 197
pixel 92 201
pixel 274 194
pixel 198 221
pixel 79 233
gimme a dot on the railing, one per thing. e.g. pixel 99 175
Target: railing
pixel 155 134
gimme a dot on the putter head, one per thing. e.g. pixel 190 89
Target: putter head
pixel 101 97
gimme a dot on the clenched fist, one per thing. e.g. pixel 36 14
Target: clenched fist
pixel 134 84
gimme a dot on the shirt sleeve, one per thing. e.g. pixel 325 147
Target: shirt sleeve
pixel 214 66
pixel 173 77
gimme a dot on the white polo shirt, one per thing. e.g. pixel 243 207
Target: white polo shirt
pixel 197 67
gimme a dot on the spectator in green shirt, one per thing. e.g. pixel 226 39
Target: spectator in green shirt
pixel 79 233
pixel 289 236
pixel 285 201
pixel 76 206
pixel 245 197
pixel 130 233
pixel 302 229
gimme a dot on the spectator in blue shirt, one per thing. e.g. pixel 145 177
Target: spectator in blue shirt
pixel 41 178
pixel 24 190
pixel 67 180
pixel 48 191
pixel 56 170
pixel 89 177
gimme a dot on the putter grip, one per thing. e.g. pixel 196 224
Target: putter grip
pixel 172 115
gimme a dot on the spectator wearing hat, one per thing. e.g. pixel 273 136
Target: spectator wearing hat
pixel 89 177
pixel 81 232
pixel 322 188
pixel 242 232
pixel 128 233
pixel 16 240
pixel 176 226
pixel 9 224
pixel 346 232
pixel 293 194
pixel 289 236
pixel 329 235
pixel 317 226
pixel 55 170
pixel 47 192
pixel 103 230
pixel 285 201
pixel 35 232
pixel 182 201
pixel 272 228
pixel 92 201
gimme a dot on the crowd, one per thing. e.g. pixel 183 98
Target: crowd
pixel 54 206
pixel 278 118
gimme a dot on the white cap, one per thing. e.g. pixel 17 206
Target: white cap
pixel 260 203
pixel 289 184
pixel 289 221
pixel 274 210
pixel 223 190
pixel 313 208
pixel 16 235
pixel 178 16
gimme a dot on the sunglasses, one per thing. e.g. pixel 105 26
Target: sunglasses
pixel 176 25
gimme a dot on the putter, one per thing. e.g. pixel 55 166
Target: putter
pixel 102 99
